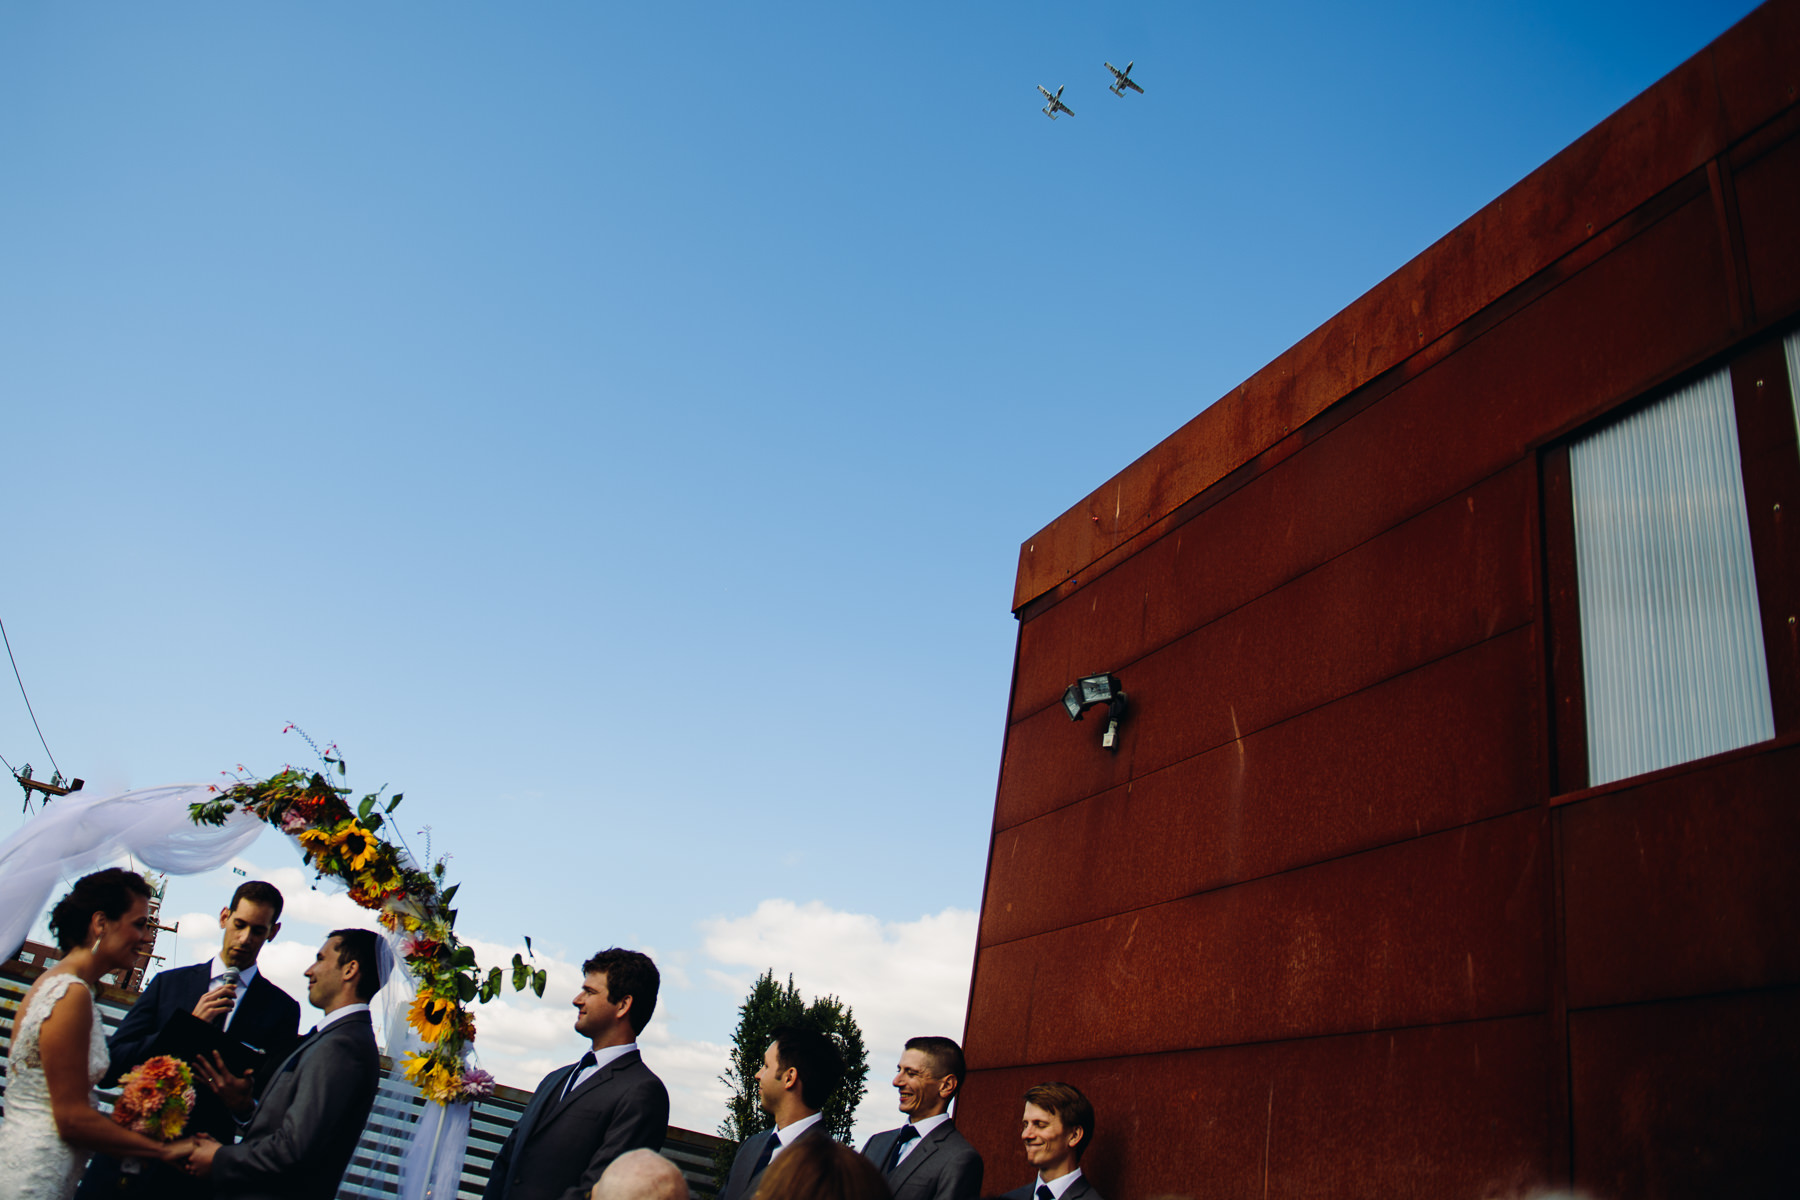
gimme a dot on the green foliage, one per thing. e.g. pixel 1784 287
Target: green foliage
pixel 768 1007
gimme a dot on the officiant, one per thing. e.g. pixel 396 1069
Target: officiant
pixel 257 1020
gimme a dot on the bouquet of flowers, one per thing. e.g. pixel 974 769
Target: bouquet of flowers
pixel 157 1099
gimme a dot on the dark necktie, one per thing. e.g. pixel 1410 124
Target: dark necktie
pixel 587 1060
pixel 768 1152
pixel 1044 1192
pixel 293 1058
pixel 906 1135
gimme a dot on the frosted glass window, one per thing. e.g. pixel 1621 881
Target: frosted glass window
pixel 1671 642
pixel 1793 357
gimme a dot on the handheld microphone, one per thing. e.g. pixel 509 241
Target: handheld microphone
pixel 230 978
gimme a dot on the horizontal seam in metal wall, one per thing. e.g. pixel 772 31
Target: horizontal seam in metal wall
pixel 1525 1014
pixel 1536 803
pixel 1323 704
pixel 1288 582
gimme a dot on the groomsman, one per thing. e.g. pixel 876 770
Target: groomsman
pixel 1058 1125
pixel 299 1138
pixel 584 1116
pixel 227 990
pixel 926 1158
pixel 801 1068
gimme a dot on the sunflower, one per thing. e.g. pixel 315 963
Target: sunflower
pixel 431 1016
pixel 437 1081
pixel 355 844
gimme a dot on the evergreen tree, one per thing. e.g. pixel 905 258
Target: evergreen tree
pixel 768 1007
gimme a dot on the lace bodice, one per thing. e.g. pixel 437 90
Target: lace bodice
pixel 37 1163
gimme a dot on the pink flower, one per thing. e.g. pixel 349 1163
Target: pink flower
pixel 477 1084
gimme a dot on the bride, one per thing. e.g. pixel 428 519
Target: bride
pixel 58 1047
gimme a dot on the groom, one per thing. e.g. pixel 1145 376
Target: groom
pixel 229 991
pixel 298 1139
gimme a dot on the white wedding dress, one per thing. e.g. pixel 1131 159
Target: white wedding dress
pixel 35 1164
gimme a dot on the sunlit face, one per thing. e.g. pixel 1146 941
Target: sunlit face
pixel 124 940
pixel 246 928
pixel 595 1015
pixel 1048 1146
pixel 325 978
pixel 923 1092
pixel 771 1080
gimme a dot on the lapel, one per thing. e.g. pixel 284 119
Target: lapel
pixel 186 987
pixel 924 1150
pixel 559 1101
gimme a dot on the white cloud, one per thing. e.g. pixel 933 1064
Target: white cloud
pixel 900 978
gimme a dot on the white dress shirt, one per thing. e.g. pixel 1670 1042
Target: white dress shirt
pixel 785 1137
pixel 601 1059
pixel 1060 1185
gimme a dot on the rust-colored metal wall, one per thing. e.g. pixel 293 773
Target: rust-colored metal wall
pixel 1333 921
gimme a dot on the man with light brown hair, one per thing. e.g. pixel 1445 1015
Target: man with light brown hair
pixel 1056 1130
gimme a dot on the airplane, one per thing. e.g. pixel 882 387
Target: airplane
pixel 1056 104
pixel 1122 80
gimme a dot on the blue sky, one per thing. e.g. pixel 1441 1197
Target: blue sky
pixel 615 425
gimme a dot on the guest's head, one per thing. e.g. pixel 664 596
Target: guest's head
pixel 345 971
pixel 641 1175
pixel 107 913
pixel 617 997
pixel 801 1068
pixel 253 918
pixel 1058 1125
pixel 818 1168
pixel 929 1072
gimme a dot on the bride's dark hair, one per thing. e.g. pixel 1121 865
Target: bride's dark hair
pixel 108 892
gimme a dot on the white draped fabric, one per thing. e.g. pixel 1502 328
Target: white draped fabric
pixel 81 833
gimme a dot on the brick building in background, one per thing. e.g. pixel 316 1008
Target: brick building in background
pixel 1451 846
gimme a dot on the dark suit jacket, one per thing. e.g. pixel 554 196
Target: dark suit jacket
pixel 562 1144
pixel 741 1183
pixel 943 1166
pixel 1081 1189
pixel 268 1019
pixel 312 1112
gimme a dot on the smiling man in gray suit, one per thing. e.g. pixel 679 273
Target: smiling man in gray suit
pixel 313 1107
pixel 584 1116
pixel 1056 1130
pixel 926 1158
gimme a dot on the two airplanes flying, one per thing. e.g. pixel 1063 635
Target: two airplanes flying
pixel 1121 81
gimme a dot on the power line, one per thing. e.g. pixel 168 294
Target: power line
pixel 21 679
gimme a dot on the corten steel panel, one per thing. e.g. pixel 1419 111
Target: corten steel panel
pixel 1768 195
pixel 1451 927
pixel 1665 133
pixel 1454 575
pixel 1757 64
pixel 1688 1098
pixel 1686 885
pixel 1653 306
pixel 1456 741
pixel 1450 1111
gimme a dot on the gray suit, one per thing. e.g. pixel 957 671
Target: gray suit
pixel 741 1183
pixel 1081 1189
pixel 943 1166
pixel 306 1127
pixel 562 1143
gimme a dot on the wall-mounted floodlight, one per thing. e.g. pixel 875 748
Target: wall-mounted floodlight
pixel 1083 694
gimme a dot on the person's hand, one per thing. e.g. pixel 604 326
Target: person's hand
pixel 176 1153
pixel 216 1003
pixel 234 1090
pixel 199 1163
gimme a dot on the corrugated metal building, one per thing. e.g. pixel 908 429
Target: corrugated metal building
pixel 1451 846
